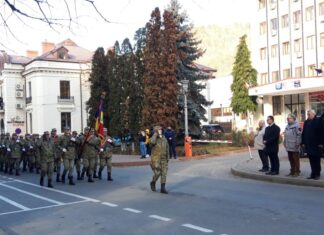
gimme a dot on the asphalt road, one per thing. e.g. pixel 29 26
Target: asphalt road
pixel 204 198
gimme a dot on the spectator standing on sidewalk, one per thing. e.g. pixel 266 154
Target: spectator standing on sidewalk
pixel 142 139
pixel 258 144
pixel 312 140
pixel 292 141
pixel 271 142
pixel 171 138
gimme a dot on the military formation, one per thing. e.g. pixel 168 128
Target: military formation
pixel 86 153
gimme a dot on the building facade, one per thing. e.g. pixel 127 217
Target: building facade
pixel 288 53
pixel 46 91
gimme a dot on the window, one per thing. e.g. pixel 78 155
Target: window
pixel 285 48
pixel 322 39
pixel 284 21
pixel 309 13
pixel 65 121
pixel 29 89
pixel 64 89
pixel 31 122
pixel 299 72
pixel 276 105
pixel 295 104
pixel 297 17
pixel 311 70
pixel 321 9
pixel 274 50
pixel 263 28
pixel 286 73
pixel 275 76
pixel 310 42
pixel 274 24
pixel 262 4
pixel 263 78
pixel 297 45
pixel 263 53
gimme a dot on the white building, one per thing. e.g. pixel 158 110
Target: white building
pixel 288 53
pixel 46 91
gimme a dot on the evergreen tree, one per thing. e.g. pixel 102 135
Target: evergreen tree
pixel 244 75
pixel 99 84
pixel 188 52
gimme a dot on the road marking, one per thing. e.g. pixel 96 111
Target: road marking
pixel 14 203
pixel 43 207
pixel 32 194
pixel 160 218
pixel 132 210
pixel 56 190
pixel 201 229
pixel 109 204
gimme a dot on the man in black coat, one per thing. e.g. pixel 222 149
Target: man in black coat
pixel 312 141
pixel 271 142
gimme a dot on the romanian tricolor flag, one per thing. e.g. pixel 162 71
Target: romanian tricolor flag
pixel 99 120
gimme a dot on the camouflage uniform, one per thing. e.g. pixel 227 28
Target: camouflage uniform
pixel 47 156
pixel 159 159
pixel 6 143
pixel 29 146
pixel 89 154
pixel 37 142
pixel 14 151
pixel 78 158
pixel 67 144
pixel 58 155
pixel 105 156
pixel 23 157
pixel 2 152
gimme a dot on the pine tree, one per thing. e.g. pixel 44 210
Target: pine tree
pixel 99 84
pixel 244 75
pixel 188 52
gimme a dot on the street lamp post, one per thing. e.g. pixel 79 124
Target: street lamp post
pixel 185 86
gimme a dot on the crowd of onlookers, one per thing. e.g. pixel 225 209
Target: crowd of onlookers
pixel 310 138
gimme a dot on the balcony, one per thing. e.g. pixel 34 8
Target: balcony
pixel 28 100
pixel 65 100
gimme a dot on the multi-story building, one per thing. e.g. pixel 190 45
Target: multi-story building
pixel 288 53
pixel 47 91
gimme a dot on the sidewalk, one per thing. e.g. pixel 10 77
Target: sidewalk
pixel 249 169
pixel 129 160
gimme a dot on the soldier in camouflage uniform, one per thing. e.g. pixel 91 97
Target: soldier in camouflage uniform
pixel 37 141
pixel 29 146
pixel 78 157
pixel 159 158
pixel 58 155
pixel 2 152
pixel 6 143
pixel 90 151
pixel 14 151
pixel 105 156
pixel 47 156
pixel 67 144
pixel 23 157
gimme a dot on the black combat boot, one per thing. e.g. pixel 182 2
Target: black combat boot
pixel 163 190
pixel 153 188
pixel 63 178
pixel 71 180
pixel 31 169
pixel 99 174
pixel 95 174
pixel 37 170
pixel 90 180
pixel 83 172
pixel 79 175
pixel 58 178
pixel 109 177
pixel 41 181
pixel 49 184
pixel 24 166
pixel 17 173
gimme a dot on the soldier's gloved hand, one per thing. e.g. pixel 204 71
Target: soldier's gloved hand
pixel 17 141
pixel 23 149
pixel 64 150
pixel 73 139
pixel 31 147
pixel 101 150
pixel 8 149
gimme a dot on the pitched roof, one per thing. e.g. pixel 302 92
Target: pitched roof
pixel 11 59
pixel 204 68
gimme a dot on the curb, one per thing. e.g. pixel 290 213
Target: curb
pixel 130 164
pixel 275 179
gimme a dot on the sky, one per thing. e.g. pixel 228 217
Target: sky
pixel 91 31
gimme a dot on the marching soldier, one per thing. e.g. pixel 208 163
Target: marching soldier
pixel 2 152
pixel 14 150
pixel 30 152
pixel 23 157
pixel 159 158
pixel 47 156
pixel 6 143
pixel 90 144
pixel 58 157
pixel 106 156
pixel 78 157
pixel 67 144
pixel 37 142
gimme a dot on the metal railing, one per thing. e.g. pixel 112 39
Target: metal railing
pixel 65 100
